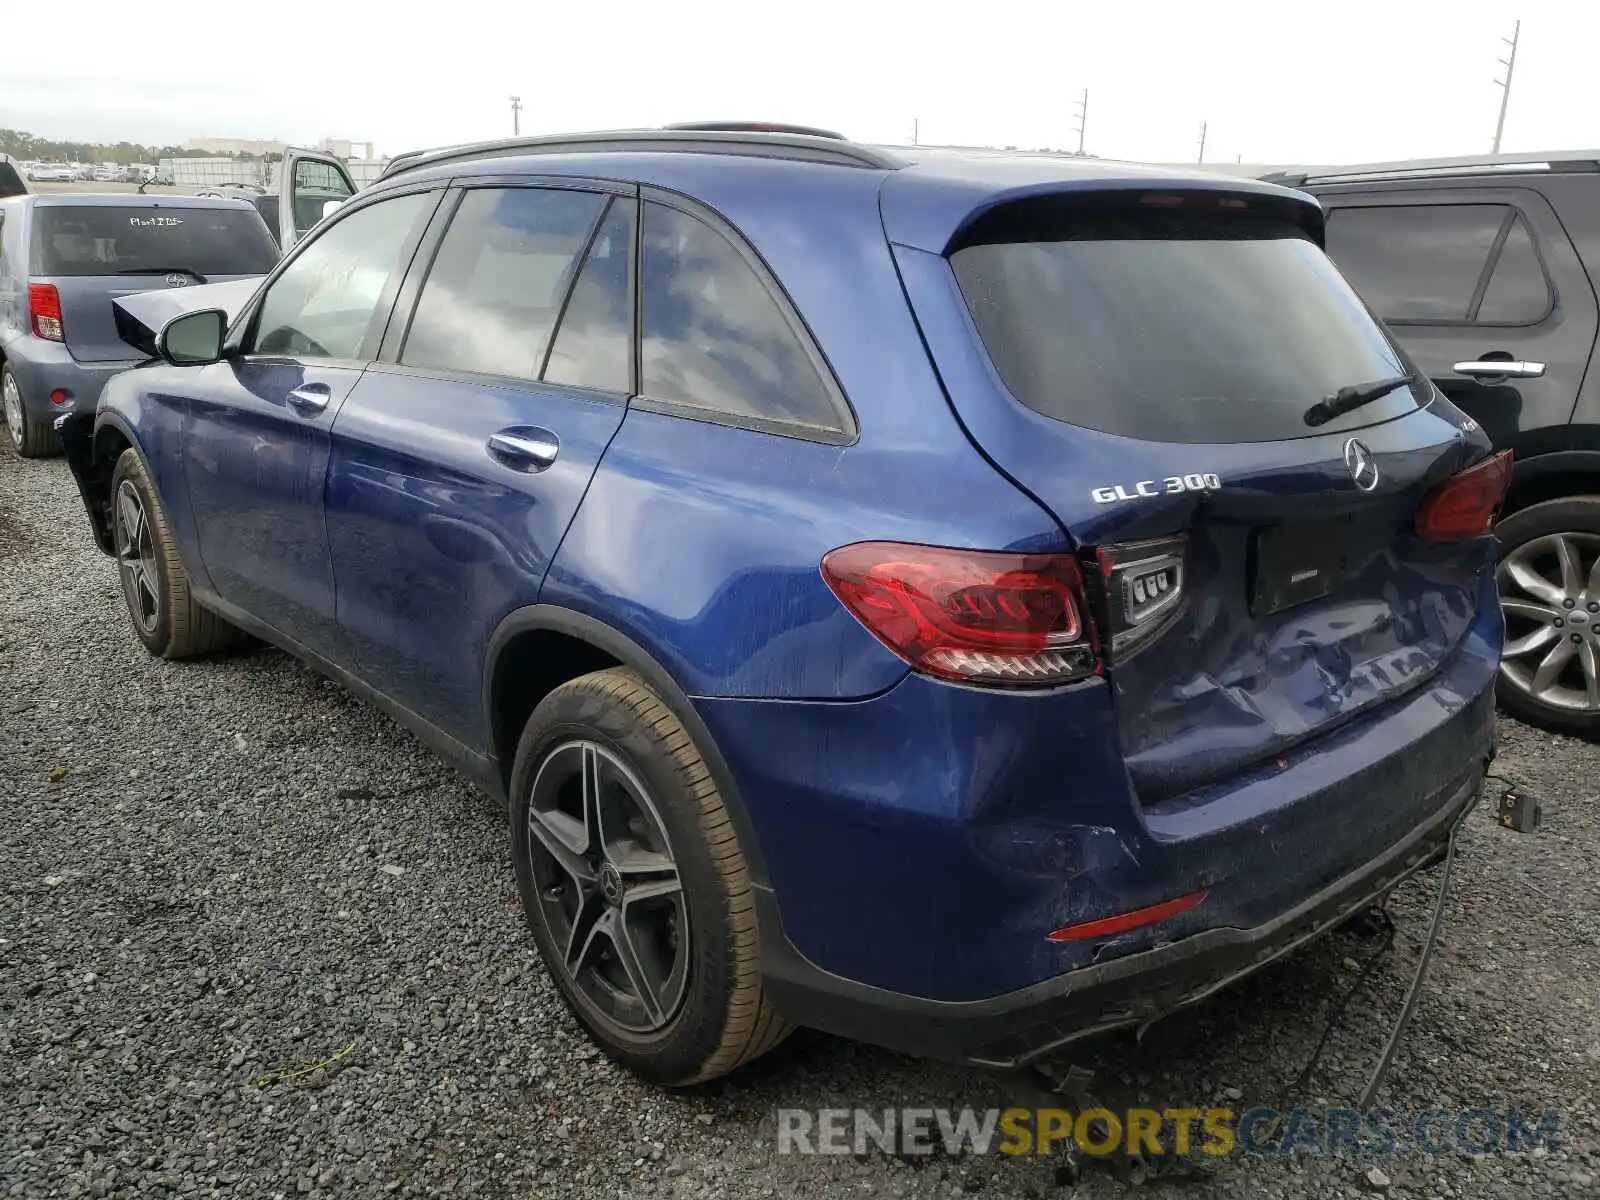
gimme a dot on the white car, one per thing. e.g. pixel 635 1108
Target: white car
pixel 52 173
pixel 233 190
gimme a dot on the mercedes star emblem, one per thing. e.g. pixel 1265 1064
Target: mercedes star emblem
pixel 1363 467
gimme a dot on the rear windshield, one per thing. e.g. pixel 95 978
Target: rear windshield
pixel 1173 326
pixel 127 240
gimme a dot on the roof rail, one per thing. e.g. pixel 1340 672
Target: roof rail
pixel 754 127
pixel 799 147
pixel 1558 162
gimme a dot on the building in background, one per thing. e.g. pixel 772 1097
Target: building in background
pixel 251 147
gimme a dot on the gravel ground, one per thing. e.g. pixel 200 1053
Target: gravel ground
pixel 216 873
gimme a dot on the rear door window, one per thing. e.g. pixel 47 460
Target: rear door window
pixel 495 290
pixel 714 337
pixel 593 345
pixel 1416 262
pixel 1171 325
pixel 73 240
pixel 1518 292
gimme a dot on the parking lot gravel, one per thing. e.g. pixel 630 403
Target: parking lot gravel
pixel 256 941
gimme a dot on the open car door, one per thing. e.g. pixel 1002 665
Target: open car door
pixel 11 180
pixel 308 184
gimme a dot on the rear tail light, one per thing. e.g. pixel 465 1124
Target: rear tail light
pixel 974 616
pixel 44 311
pixel 1143 592
pixel 1465 505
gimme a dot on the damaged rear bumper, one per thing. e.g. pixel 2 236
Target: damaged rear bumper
pixel 1022 1027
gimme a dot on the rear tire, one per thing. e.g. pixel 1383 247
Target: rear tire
pixel 155 587
pixel 1549 580
pixel 30 438
pixel 710 1013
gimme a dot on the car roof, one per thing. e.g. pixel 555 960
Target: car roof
pixel 1558 162
pixel 928 193
pixel 130 200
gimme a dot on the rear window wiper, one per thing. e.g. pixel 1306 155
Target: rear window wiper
pixel 163 271
pixel 1353 397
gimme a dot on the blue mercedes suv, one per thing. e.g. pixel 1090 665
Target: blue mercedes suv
pixel 960 601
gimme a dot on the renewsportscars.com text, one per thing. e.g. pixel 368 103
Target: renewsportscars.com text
pixel 1376 1132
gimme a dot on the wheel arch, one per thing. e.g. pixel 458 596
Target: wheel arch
pixel 536 649
pixel 92 455
pixel 1552 476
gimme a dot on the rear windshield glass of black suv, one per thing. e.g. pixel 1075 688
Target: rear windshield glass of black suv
pixel 1154 318
pixel 71 240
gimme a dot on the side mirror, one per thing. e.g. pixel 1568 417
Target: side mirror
pixel 328 206
pixel 193 339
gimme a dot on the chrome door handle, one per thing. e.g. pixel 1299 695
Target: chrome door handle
pixel 310 398
pixel 525 449
pixel 1500 370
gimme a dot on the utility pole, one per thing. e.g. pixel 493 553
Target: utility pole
pixel 914 132
pixel 1083 119
pixel 516 116
pixel 1202 157
pixel 1510 64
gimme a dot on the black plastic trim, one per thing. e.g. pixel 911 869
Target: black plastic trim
pixel 1557 462
pixel 630 654
pixel 77 432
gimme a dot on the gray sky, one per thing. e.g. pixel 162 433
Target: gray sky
pixel 1282 82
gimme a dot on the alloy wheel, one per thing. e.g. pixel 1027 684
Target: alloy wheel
pixel 12 400
pixel 136 557
pixel 608 886
pixel 1550 592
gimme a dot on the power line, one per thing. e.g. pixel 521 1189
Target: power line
pixel 516 116
pixel 1083 118
pixel 1510 64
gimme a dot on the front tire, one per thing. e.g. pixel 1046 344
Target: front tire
pixel 1549 581
pixel 634 885
pixel 28 437
pixel 155 587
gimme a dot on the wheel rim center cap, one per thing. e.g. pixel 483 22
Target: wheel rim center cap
pixel 611 884
pixel 1578 618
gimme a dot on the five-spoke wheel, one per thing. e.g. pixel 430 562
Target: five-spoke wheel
pixel 609 886
pixel 634 882
pixel 136 558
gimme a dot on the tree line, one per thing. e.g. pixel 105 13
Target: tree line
pixel 28 146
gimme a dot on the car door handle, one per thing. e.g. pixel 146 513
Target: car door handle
pixel 310 398
pixel 525 449
pixel 1499 370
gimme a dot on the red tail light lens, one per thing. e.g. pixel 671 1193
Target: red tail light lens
pixel 44 311
pixel 1465 505
pixel 1108 927
pixel 975 616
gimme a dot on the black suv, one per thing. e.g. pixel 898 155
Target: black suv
pixel 1485 269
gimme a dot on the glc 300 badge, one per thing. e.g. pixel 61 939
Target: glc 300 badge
pixel 1146 488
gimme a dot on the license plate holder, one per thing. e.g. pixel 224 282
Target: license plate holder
pixel 1296 564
